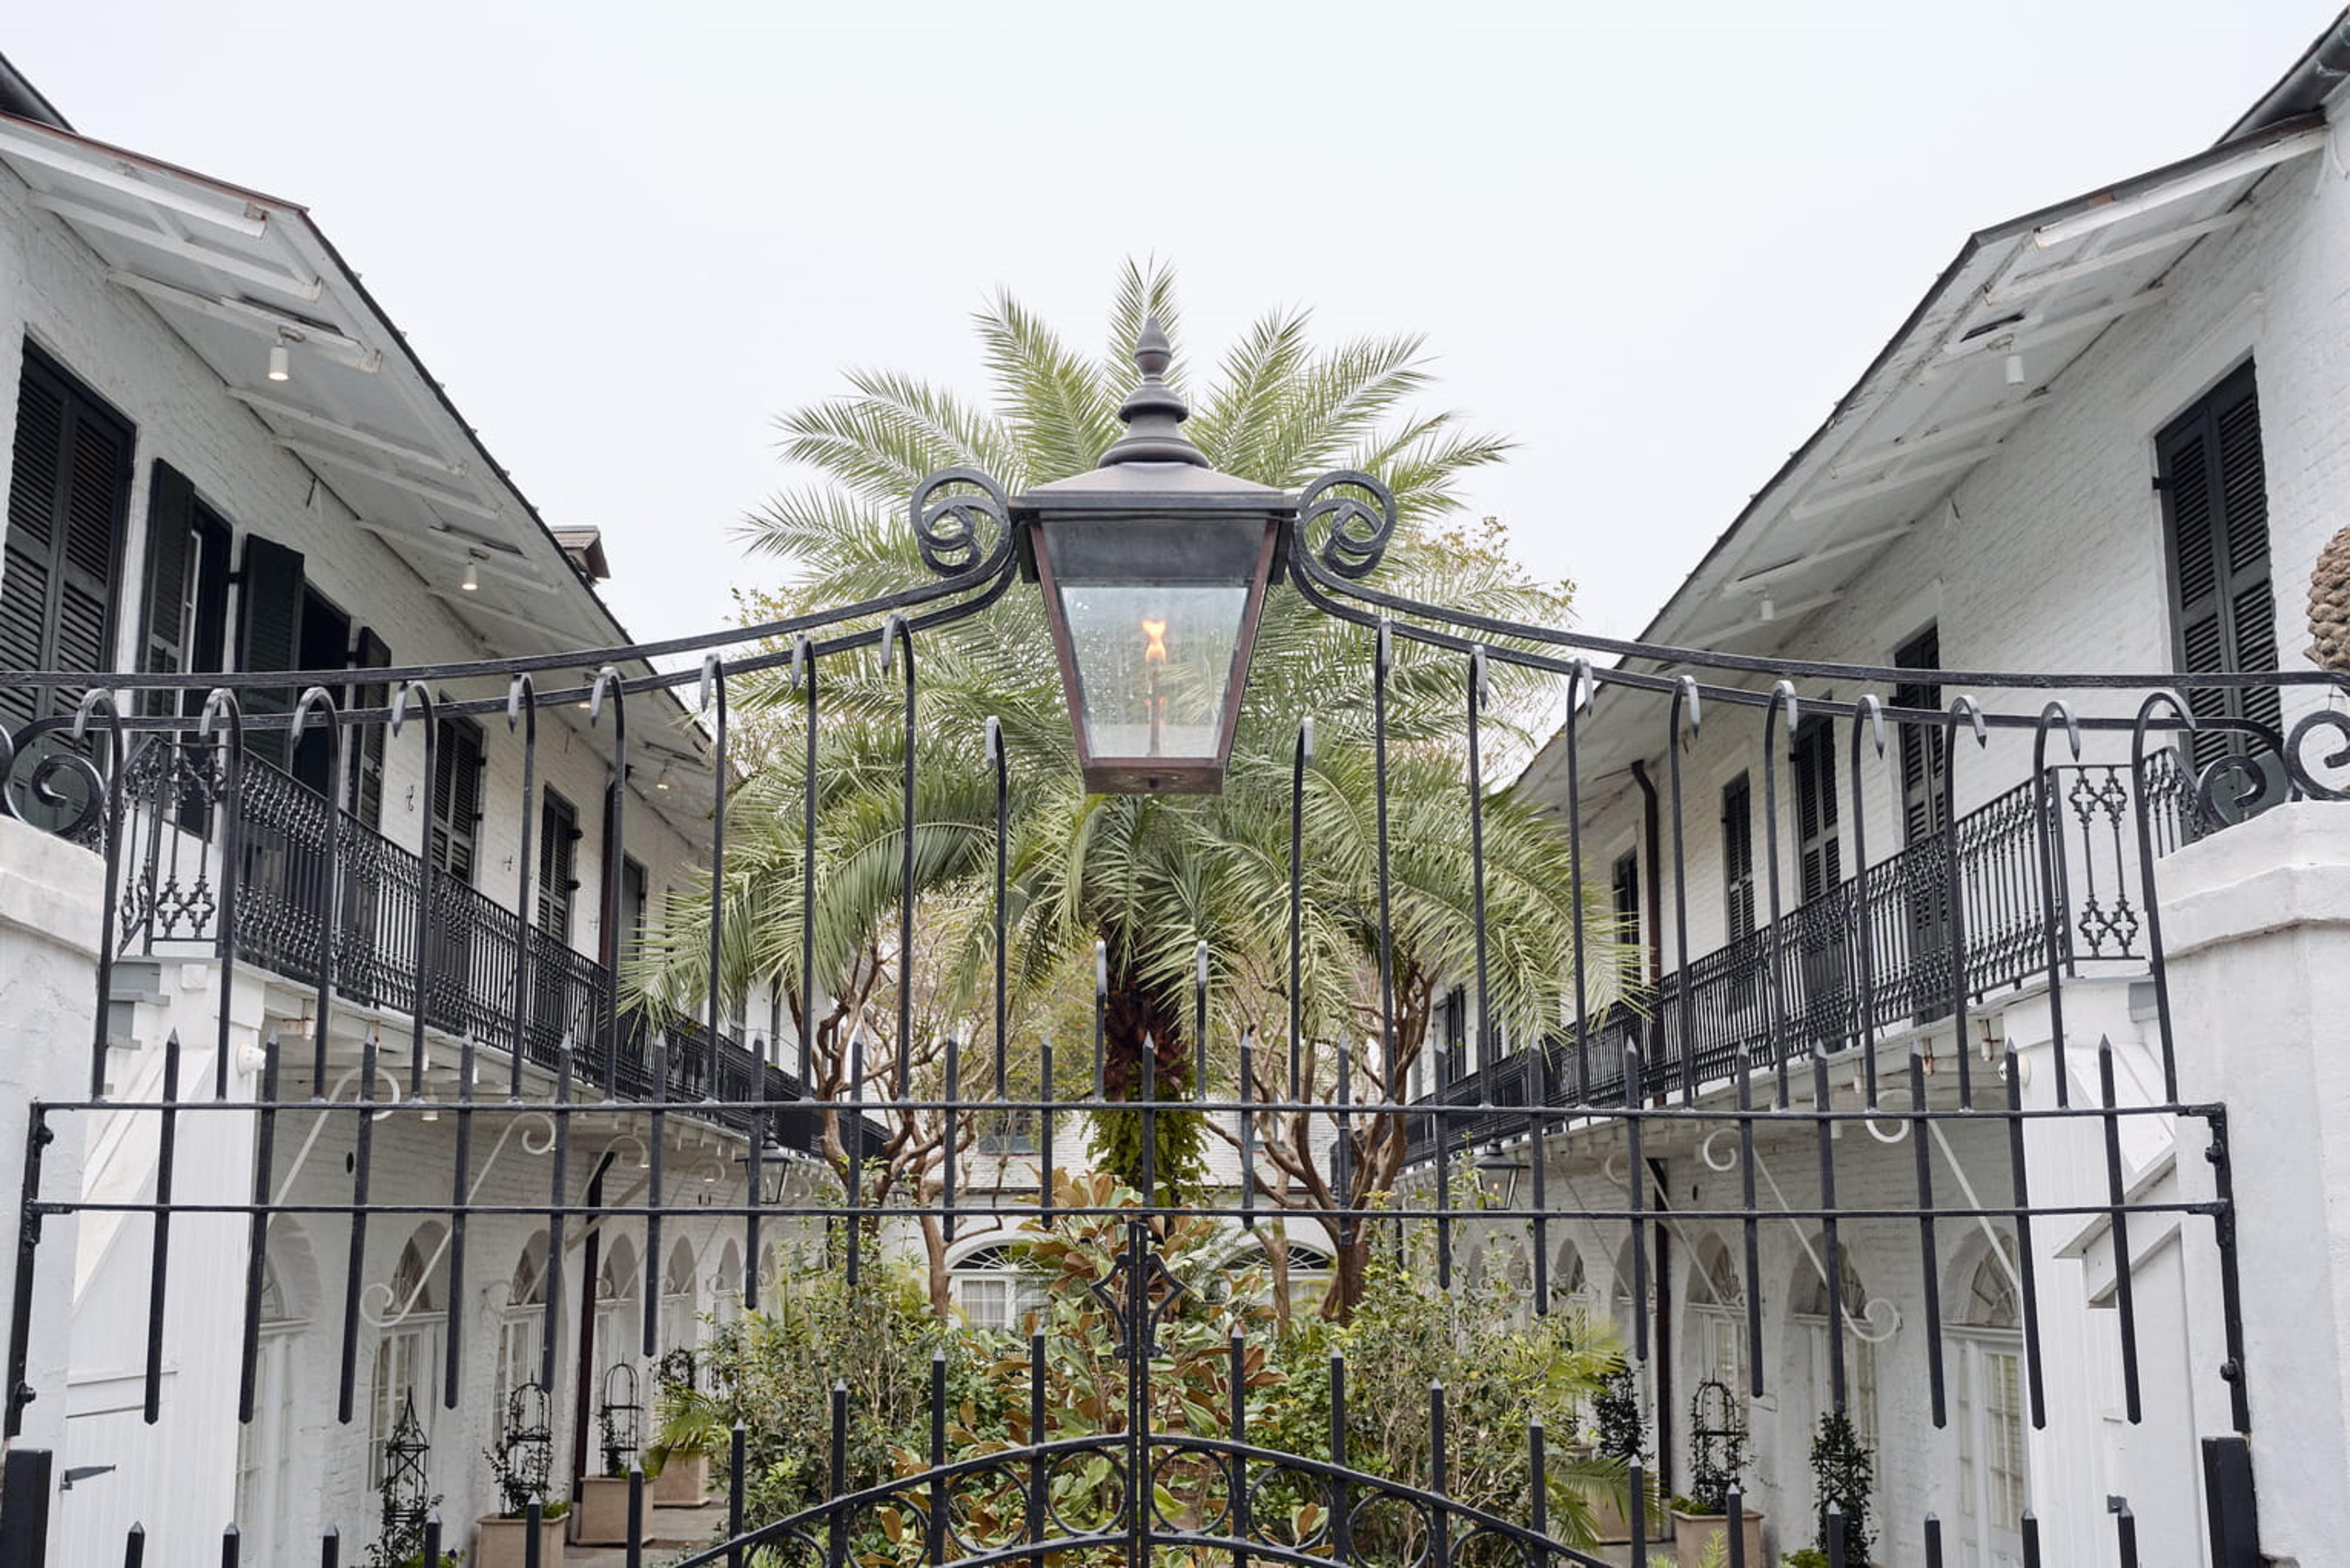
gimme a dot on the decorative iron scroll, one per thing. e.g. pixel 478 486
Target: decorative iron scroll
pixel 1359 513
pixel 956 532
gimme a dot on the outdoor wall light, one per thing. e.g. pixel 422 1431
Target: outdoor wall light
pixel 1154 568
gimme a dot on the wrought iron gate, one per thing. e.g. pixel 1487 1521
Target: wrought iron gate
pixel 1765 1052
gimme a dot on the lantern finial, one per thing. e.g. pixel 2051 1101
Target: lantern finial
pixel 1153 410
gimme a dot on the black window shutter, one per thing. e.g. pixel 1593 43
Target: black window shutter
pixel 2215 509
pixel 164 620
pixel 1816 804
pixel 1738 855
pixel 456 798
pixel 68 493
pixel 1923 769
pixel 558 849
pixel 269 637
pixel 366 801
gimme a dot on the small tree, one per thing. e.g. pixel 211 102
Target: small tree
pixel 1842 1473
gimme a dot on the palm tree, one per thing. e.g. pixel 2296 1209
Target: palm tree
pixel 1143 881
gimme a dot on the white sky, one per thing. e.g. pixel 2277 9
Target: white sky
pixel 1653 242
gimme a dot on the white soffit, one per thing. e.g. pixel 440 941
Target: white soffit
pixel 1984 352
pixel 234 274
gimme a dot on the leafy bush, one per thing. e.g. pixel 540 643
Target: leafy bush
pixel 774 1371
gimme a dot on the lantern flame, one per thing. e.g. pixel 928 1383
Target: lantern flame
pixel 1155 652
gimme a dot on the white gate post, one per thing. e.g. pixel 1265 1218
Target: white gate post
pixel 2256 925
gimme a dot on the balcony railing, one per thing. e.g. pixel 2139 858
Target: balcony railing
pixel 171 864
pixel 1894 918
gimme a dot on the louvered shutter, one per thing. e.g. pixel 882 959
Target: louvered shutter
pixel 1738 855
pixel 457 799
pixel 1922 766
pixel 269 637
pixel 2214 485
pixel 68 492
pixel 366 801
pixel 558 849
pixel 1821 851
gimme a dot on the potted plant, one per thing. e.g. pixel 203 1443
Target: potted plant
pixel 679 1460
pixel 1842 1473
pixel 1717 1466
pixel 1617 1435
pixel 519 1465
pixel 602 1517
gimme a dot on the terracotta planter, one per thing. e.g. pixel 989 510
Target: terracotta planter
pixel 506 1542
pixel 683 1482
pixel 602 1511
pixel 1693 1532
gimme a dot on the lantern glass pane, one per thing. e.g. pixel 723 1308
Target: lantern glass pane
pixel 1154 612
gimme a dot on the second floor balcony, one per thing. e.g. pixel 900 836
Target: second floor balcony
pixel 1872 957
pixel 471 966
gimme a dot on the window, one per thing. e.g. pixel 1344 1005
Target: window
pixel 1738 858
pixel 989 1288
pixel 69 493
pixel 1718 1302
pixel 1820 850
pixel 364 797
pixel 270 598
pixel 2214 485
pixel 323 643
pixel 1625 882
pixel 520 1331
pixel 1925 790
pixel 456 798
pixel 680 1306
pixel 559 877
pixel 1452 1035
pixel 183 624
pixel 408 1354
pixel 1990 1413
pixel 1810 1308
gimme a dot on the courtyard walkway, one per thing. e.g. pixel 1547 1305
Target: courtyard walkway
pixel 675 1530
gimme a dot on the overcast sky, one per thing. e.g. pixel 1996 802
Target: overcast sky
pixel 1653 242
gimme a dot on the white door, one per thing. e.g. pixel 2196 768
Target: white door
pixel 1993 1474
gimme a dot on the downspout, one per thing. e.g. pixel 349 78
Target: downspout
pixel 589 1260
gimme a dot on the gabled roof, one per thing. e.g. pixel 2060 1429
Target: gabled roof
pixel 1981 353
pixel 234 274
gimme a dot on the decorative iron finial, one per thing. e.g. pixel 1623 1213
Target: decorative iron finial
pixel 1153 410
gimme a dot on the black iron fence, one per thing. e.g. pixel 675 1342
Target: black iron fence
pixel 224 850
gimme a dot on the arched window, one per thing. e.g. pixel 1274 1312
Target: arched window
pixel 1309 1269
pixel 1570 1280
pixel 987 1285
pixel 522 1326
pixel 408 1354
pixel 1989 1410
pixel 262 1451
pixel 680 1328
pixel 1717 1298
pixel 1808 1302
pixel 729 1284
